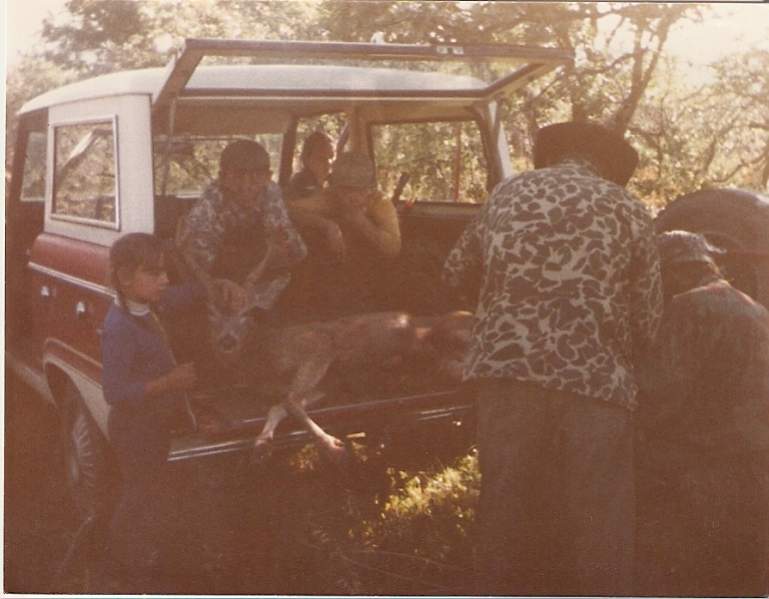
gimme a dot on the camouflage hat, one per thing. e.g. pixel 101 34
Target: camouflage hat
pixel 244 154
pixel 677 247
pixel 352 169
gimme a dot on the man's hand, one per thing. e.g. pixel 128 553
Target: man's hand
pixel 230 295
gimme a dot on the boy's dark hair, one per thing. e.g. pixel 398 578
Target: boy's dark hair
pixel 315 140
pixel 130 252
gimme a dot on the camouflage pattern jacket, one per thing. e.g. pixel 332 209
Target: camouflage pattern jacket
pixel 570 283
pixel 205 229
pixel 706 383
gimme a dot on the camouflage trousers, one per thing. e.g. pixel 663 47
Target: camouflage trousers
pixel 703 522
pixel 557 504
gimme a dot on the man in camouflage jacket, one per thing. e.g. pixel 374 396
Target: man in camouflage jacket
pixel 570 295
pixel 227 232
pixel 704 461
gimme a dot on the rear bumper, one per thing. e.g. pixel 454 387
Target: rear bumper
pixel 371 417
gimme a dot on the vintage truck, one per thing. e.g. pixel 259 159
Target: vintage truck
pixel 130 151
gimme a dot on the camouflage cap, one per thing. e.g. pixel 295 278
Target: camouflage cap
pixel 352 169
pixel 678 247
pixel 244 154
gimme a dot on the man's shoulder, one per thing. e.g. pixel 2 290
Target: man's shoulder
pixel 719 296
pixel 550 183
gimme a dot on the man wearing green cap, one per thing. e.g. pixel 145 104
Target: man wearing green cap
pixel 704 463
pixel 350 211
pixel 227 231
pixel 353 233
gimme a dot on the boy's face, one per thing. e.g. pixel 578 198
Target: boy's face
pixel 145 285
pixel 244 186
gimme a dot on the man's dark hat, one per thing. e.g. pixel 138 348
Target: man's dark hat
pixel 679 247
pixel 244 154
pixel 606 149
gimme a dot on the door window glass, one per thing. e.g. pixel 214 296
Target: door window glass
pixel 445 160
pixel 85 177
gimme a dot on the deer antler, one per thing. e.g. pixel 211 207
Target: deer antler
pixel 255 277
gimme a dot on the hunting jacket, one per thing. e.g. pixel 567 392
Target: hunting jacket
pixel 570 291
pixel 210 223
pixel 706 384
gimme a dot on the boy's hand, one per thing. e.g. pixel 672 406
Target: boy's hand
pixel 182 378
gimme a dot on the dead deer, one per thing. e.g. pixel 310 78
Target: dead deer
pixel 303 353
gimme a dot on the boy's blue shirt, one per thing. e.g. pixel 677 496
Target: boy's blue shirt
pixel 134 352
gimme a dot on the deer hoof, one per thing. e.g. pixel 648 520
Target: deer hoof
pixel 262 451
pixel 334 450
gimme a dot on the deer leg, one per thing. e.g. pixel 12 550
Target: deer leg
pixel 302 388
pixel 275 416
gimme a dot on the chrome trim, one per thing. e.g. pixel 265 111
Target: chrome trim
pixel 57 274
pixel 53 341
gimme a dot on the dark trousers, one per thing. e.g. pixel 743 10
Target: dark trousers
pixel 140 440
pixel 557 504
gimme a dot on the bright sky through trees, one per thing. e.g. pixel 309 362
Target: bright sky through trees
pixel 728 28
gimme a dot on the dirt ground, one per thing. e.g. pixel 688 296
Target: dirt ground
pixel 237 529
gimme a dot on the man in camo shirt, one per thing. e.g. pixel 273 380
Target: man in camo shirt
pixel 227 232
pixel 704 462
pixel 569 298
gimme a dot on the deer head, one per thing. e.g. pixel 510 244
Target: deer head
pixel 228 330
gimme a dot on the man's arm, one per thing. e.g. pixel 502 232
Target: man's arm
pixel 667 372
pixel 464 262
pixel 645 286
pixel 199 235
pixel 313 213
pixel 379 225
pixel 280 231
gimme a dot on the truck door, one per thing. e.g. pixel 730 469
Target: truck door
pixel 98 187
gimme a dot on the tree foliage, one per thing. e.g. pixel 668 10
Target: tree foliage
pixel 713 135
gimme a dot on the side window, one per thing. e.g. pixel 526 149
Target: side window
pixel 191 163
pixel 33 179
pixel 444 159
pixel 85 177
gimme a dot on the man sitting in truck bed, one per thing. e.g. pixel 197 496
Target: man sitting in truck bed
pixel 353 232
pixel 317 154
pixel 227 231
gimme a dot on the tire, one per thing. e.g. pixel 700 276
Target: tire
pixel 735 220
pixel 88 465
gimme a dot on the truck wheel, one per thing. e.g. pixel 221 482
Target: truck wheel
pixel 735 220
pixel 88 468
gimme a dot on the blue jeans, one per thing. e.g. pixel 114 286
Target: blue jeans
pixel 557 504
